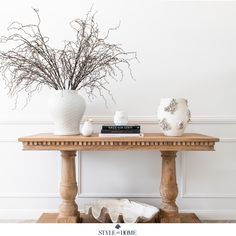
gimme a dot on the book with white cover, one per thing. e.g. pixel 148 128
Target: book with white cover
pixel 119 135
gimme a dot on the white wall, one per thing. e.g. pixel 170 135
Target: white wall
pixel 186 49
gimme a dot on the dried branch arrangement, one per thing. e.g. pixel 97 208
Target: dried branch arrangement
pixel 88 62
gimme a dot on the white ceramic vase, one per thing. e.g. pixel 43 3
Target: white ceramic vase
pixel 120 118
pixel 87 128
pixel 173 116
pixel 67 108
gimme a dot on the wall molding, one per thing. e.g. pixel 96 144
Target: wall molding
pixel 132 119
pixel 213 214
pixel 23 214
pixel 227 140
pixel 143 120
pixel 183 179
pixel 119 195
pixel 29 195
pixel 8 140
pixel 81 195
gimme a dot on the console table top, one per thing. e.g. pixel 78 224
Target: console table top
pixel 149 141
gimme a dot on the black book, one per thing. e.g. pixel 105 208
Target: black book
pixel 128 131
pixel 121 127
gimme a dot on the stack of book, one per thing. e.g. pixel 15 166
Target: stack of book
pixel 120 131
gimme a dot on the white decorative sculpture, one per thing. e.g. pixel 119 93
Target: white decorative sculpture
pixel 87 128
pixel 173 116
pixel 121 211
pixel 120 118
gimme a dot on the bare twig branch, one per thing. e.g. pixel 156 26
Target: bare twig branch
pixel 88 62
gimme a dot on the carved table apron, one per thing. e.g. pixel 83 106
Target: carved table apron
pixel 168 146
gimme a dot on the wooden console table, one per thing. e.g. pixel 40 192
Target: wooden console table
pixel 168 146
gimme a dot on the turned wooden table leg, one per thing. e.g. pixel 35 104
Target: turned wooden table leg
pixel 68 189
pixel 168 188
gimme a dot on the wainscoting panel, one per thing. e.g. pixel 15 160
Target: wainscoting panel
pixel 27 174
pixel 208 175
pixel 120 174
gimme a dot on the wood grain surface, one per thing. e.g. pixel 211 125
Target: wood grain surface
pixel 150 141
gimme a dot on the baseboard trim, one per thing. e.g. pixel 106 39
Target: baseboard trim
pixel 213 214
pixel 23 214
pixel 28 214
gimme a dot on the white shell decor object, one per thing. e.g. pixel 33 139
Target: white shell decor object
pixel 120 118
pixel 173 116
pixel 121 211
pixel 67 109
pixel 87 128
